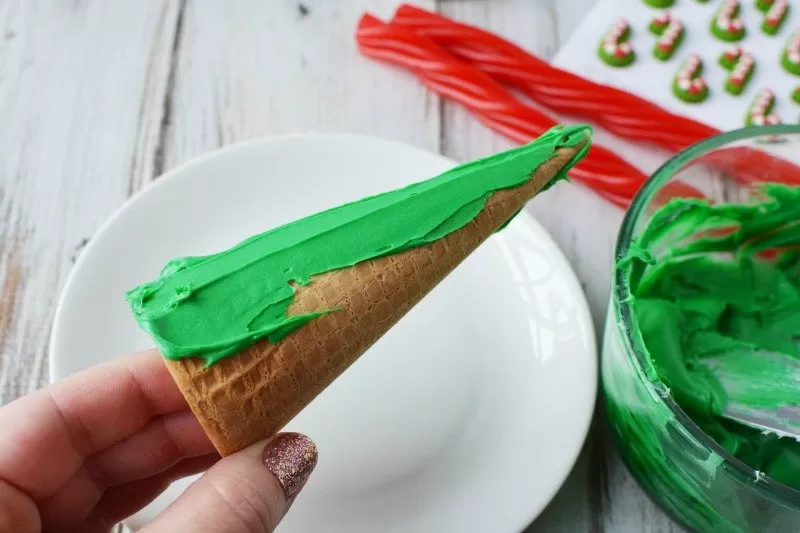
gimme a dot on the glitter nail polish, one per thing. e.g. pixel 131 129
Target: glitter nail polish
pixel 290 457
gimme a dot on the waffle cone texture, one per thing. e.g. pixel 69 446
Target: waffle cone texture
pixel 253 394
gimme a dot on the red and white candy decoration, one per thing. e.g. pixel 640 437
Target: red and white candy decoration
pixel 776 13
pixel 744 66
pixel 733 54
pixel 727 19
pixel 669 38
pixel 741 65
pixel 612 45
pixel 670 34
pixel 759 111
pixel 688 78
pixel 793 49
pixel 662 19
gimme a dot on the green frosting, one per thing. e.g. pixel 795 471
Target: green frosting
pixel 217 305
pixel 723 281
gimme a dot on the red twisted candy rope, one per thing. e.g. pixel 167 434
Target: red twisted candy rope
pixel 622 113
pixel 602 170
pixel 618 111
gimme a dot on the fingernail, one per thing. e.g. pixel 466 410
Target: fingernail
pixel 290 457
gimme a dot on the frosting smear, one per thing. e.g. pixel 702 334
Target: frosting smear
pixel 723 281
pixel 217 305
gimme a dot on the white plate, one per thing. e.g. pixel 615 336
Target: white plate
pixel 467 416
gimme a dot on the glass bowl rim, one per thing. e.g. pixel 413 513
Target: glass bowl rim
pixel 623 308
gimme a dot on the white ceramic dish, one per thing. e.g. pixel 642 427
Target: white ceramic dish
pixel 467 416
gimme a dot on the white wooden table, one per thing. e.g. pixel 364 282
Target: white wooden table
pixel 99 97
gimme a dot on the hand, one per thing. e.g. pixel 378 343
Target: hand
pixel 87 452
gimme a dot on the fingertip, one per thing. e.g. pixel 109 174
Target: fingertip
pixel 291 457
pixel 250 490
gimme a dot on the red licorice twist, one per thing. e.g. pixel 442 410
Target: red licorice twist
pixel 620 112
pixel 602 170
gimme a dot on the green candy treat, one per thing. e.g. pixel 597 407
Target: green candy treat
pixel 764 5
pixel 659 23
pixel 688 84
pixel 670 32
pixel 659 4
pixel 726 25
pixel 790 56
pixel 788 65
pixel 734 87
pixel 729 58
pixel 730 35
pixel 689 96
pixel 741 66
pixel 775 17
pixel 760 111
pixel 796 94
pixel 614 60
pixel 614 49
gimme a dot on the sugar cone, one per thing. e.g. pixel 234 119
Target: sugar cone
pixel 253 394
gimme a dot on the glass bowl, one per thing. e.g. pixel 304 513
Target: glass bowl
pixel 684 470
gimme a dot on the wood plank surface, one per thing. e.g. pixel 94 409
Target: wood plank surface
pixel 81 91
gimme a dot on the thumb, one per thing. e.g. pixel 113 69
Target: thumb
pixel 248 491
